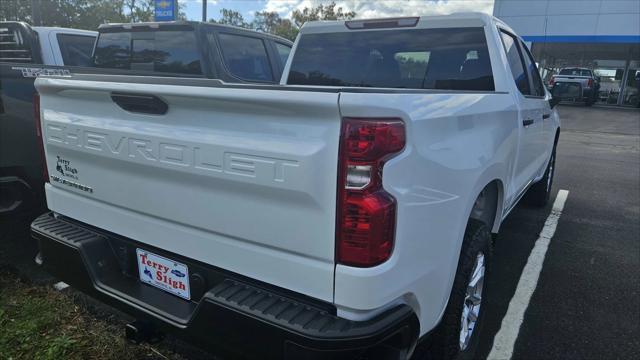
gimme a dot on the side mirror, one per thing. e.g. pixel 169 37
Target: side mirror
pixel 553 101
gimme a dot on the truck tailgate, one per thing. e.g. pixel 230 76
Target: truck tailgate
pixel 238 177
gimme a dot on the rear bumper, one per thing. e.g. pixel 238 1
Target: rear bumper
pixel 228 314
pixel 579 93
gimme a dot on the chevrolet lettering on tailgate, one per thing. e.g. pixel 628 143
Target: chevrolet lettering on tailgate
pixel 201 157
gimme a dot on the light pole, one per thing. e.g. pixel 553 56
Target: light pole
pixel 204 10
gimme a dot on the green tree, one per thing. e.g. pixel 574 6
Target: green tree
pixel 81 14
pixel 321 12
pixel 139 10
pixel 15 10
pixel 266 21
pixel 271 22
pixel 231 17
pixel 98 12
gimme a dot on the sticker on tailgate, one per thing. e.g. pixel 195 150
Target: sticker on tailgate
pixel 168 275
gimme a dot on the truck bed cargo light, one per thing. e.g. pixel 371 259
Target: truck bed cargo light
pixel 382 23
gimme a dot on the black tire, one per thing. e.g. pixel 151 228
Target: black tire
pixel 446 337
pixel 540 193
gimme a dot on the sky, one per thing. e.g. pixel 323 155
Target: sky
pixel 363 8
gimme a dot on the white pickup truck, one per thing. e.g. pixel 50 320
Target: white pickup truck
pixel 576 84
pixel 345 213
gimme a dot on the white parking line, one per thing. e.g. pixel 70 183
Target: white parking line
pixel 60 286
pixel 506 337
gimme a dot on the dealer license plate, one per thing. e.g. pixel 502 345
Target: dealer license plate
pixel 166 274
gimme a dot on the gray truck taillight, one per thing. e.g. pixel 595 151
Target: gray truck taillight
pixel 366 213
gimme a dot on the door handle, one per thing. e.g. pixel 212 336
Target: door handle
pixel 545 116
pixel 140 103
pixel 527 121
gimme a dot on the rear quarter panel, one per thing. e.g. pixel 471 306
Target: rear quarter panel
pixel 456 144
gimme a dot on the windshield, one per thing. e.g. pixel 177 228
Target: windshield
pixel 451 59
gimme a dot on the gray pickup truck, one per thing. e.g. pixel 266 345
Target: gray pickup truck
pixel 575 84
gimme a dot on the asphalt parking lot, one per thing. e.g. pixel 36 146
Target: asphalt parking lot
pixel 586 304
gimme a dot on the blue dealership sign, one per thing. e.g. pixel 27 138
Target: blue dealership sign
pixel 165 10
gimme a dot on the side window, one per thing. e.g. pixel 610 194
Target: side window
pixel 515 63
pixel 159 51
pixel 167 52
pixel 76 49
pixel 283 52
pixel 113 50
pixel 246 57
pixel 537 88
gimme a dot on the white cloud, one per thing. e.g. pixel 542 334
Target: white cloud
pixel 386 8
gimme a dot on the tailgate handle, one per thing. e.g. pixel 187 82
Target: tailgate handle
pixel 140 103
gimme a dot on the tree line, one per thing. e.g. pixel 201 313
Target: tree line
pixel 80 14
pixel 88 14
pixel 273 23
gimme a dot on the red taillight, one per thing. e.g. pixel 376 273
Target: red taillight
pixel 366 213
pixel 39 136
pixel 589 82
pixel 552 81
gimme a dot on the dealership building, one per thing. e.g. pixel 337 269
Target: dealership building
pixel 603 35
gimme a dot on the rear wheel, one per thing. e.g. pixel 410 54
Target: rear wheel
pixel 540 193
pixel 457 335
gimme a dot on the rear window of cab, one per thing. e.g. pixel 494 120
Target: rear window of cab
pixel 157 51
pixel 445 59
